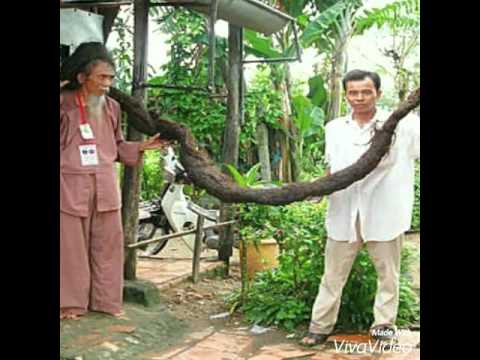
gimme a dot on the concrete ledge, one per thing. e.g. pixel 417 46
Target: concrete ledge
pixel 141 292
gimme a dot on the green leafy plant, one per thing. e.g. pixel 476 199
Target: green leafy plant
pixel 152 175
pixel 309 120
pixel 285 296
pixel 416 205
pixel 123 50
pixel 398 14
pixel 247 180
pixel 317 91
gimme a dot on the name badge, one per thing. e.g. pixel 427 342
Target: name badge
pixel 86 131
pixel 88 155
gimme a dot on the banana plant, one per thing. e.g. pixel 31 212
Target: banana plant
pixel 402 18
pixel 330 33
pixel 250 178
pixel 309 120
pixel 246 180
pixel 404 14
pixel 281 44
pixel 323 23
pixel 317 91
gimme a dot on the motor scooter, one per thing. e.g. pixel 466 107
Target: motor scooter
pixel 173 211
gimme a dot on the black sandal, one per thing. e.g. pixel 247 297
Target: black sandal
pixel 318 339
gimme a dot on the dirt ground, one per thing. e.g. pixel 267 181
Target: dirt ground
pixel 184 313
pixel 185 309
pixel 189 301
pixel 196 304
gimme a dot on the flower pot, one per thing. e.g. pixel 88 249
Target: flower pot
pixel 261 257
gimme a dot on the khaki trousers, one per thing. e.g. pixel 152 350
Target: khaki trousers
pixel 339 258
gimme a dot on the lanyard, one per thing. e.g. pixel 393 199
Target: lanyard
pixel 83 120
pixel 81 106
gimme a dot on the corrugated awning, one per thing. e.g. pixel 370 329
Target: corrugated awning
pixel 65 4
pixel 251 14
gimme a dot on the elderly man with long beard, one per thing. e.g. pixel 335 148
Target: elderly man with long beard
pixel 91 141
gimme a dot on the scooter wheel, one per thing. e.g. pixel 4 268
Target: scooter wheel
pixel 156 247
pixel 146 231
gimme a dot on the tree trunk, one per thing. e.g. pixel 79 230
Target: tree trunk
pixel 285 173
pixel 294 157
pixel 263 152
pixel 344 32
pixel 402 83
pixel 131 180
pixel 231 138
pixel 336 75
pixel 232 131
pixel 274 149
pixel 109 15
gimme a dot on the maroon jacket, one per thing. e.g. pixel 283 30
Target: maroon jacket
pixel 111 147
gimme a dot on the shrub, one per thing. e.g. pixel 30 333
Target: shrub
pixel 152 175
pixel 285 296
pixel 416 204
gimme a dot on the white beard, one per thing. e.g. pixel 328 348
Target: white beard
pixel 95 106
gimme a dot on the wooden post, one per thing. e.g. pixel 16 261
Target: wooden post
pixel 232 132
pixel 211 43
pixel 232 127
pixel 109 15
pixel 197 249
pixel 131 179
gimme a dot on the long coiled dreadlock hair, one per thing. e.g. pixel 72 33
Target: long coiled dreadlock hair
pixel 83 58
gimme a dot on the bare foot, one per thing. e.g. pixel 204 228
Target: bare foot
pixel 68 314
pixel 119 314
pixel 69 317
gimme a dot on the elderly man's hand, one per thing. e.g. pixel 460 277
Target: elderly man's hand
pixel 154 143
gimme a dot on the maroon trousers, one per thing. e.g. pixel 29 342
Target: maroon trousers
pixel 91 259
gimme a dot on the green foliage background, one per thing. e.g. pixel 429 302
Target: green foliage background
pixel 285 296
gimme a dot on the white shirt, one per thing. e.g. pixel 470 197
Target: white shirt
pixel 383 200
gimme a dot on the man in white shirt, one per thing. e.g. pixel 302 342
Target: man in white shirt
pixel 376 210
